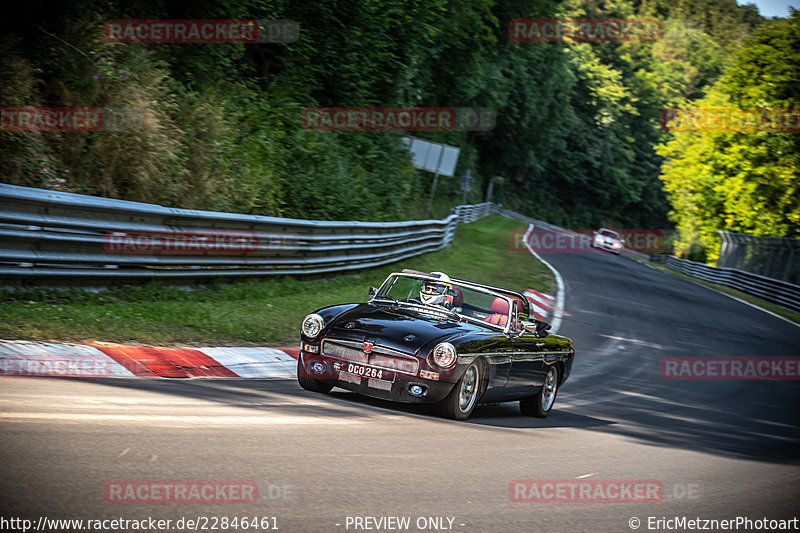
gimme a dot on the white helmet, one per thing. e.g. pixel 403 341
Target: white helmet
pixel 434 292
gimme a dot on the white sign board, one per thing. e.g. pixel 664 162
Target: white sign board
pixel 447 165
pixel 433 157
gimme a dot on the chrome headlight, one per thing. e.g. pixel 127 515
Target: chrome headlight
pixel 444 355
pixel 312 325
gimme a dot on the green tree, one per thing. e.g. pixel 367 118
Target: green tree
pixel 744 181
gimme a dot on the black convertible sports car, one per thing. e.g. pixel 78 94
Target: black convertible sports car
pixel 424 337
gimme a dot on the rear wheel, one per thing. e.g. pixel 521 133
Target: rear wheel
pixel 309 383
pixel 461 401
pixel 541 404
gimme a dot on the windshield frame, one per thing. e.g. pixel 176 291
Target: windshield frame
pixel 384 288
pixel 608 233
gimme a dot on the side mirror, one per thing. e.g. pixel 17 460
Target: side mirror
pixel 537 328
pixel 372 292
pixel 541 329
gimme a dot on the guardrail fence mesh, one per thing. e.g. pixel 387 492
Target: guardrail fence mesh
pixel 774 257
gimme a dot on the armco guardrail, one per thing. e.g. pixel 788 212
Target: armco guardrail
pixel 780 292
pixel 54 234
pixel 517 216
pixel 471 213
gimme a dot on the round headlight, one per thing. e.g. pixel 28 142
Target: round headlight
pixel 312 325
pixel 444 355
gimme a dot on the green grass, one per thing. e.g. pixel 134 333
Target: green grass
pixel 755 300
pixel 263 311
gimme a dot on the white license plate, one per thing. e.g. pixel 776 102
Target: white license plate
pixel 379 384
pixel 350 378
pixel 369 372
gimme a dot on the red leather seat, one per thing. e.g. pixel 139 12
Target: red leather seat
pixel 499 305
pixel 498 319
pixel 499 309
pixel 458 298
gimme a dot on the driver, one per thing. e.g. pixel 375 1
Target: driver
pixel 434 293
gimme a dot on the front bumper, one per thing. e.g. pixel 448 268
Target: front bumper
pixel 398 389
pixel 607 246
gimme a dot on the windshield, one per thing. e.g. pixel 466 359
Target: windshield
pixel 467 302
pixel 609 233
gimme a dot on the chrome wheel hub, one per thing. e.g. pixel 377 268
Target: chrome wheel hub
pixel 549 390
pixel 469 389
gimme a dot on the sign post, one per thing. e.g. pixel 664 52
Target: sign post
pixel 433 157
pixel 466 185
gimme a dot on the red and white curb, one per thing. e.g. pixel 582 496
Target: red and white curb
pixel 33 358
pixel 540 303
pixel 558 309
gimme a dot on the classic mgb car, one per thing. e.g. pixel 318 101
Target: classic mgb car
pixel 424 337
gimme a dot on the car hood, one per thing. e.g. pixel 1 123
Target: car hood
pixel 400 328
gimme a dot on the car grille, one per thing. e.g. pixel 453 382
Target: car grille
pixel 344 351
pixel 379 357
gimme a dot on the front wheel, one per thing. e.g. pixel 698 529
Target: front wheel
pixel 461 401
pixel 309 383
pixel 541 404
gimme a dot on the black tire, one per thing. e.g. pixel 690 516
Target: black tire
pixel 309 383
pixel 542 403
pixel 462 400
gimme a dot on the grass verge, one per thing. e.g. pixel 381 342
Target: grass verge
pixel 264 311
pixel 755 300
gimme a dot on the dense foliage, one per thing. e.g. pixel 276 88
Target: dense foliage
pixel 742 181
pixel 577 123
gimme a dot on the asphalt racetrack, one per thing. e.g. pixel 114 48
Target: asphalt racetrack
pixel 719 449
